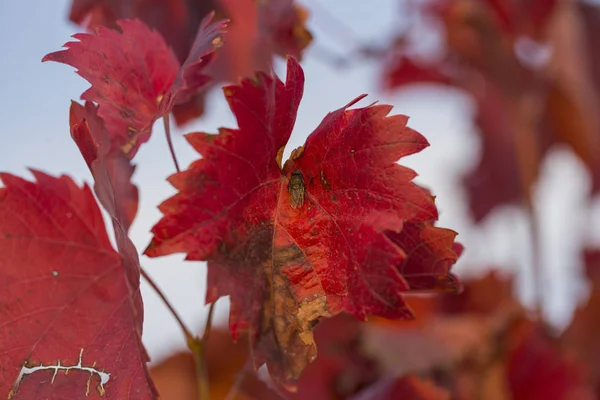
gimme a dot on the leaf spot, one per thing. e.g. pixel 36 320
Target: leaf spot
pixel 25 370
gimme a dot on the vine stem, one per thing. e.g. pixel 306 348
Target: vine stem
pixel 167 125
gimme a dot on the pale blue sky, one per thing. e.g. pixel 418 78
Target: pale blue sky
pixel 34 113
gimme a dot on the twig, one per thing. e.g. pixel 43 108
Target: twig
pixel 170 141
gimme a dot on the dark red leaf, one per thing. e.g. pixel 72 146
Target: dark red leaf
pixel 67 299
pixel 292 244
pixel 259 30
pixel 109 165
pixel 135 77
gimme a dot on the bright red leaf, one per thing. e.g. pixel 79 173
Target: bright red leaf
pixel 258 31
pixel 135 77
pixel 67 299
pixel 291 244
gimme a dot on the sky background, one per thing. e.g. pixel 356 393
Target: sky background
pixel 35 134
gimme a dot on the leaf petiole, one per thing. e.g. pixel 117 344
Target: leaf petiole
pixel 167 126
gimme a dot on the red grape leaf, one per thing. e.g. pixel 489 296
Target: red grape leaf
pixel 135 77
pixel 430 253
pixel 259 30
pixel 292 244
pixel 67 299
pixel 109 165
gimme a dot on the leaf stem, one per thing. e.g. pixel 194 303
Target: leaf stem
pixel 196 345
pixel 170 141
pixel 200 357
pixel 188 334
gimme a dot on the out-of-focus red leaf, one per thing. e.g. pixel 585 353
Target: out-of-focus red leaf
pixel 538 370
pixel 485 295
pixel 403 71
pixel 109 165
pixel 509 162
pixel 523 108
pixel 258 31
pixel 407 388
pixel 294 243
pixel 135 77
pixel 482 346
pixel 67 299
pixel 522 17
pixel 581 337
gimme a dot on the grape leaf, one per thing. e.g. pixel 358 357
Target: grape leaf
pixel 294 243
pixel 259 30
pixel 109 165
pixel 430 253
pixel 67 299
pixel 135 77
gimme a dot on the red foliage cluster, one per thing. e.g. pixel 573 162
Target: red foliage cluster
pixel 532 79
pixel 258 31
pixel 322 255
pixel 338 227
